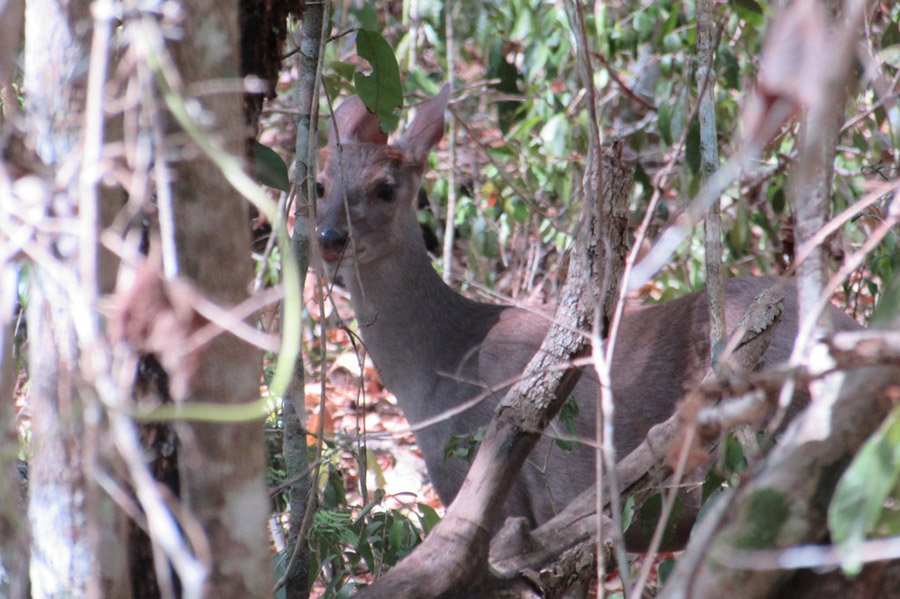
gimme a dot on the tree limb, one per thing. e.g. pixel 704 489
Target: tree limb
pixel 783 505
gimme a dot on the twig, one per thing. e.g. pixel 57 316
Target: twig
pixel 450 224
pixel 308 215
pixel 810 320
pixel 614 74
pixel 808 556
pixel 846 215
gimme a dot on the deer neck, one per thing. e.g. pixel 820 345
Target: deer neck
pixel 415 327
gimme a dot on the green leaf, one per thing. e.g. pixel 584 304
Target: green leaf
pixel 734 455
pixel 665 569
pixel 568 413
pixel 891 55
pixel 711 486
pixel 692 146
pixel 627 512
pixel 345 70
pixel 518 209
pixel 416 79
pixel 271 170
pixel 463 446
pixel 428 517
pixel 889 303
pixel 646 517
pixel 644 23
pixel 381 92
pixel 672 41
pixel 767 511
pixel 731 74
pixel 507 77
pixel 748 5
pixel 739 235
pixel 396 535
pixel 671 22
pixel 778 200
pixel 865 486
pixel 555 134
pixel 367 16
pixel 664 122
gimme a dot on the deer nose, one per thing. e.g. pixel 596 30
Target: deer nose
pixel 332 242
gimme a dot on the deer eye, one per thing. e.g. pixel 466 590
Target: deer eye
pixel 385 192
pixel 320 189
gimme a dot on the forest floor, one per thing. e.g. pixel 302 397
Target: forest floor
pixel 357 406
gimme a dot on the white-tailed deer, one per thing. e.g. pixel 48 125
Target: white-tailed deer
pixel 436 349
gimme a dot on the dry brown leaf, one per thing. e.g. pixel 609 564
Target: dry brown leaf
pixel 156 317
pixel 792 72
pixel 313 426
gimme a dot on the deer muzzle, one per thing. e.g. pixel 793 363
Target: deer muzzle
pixel 332 243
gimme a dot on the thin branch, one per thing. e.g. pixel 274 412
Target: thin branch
pixel 450 215
pixel 617 77
pixel 809 556
pixel 709 162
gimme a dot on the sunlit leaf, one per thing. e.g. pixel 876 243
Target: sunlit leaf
pixel 859 498
pixel 891 55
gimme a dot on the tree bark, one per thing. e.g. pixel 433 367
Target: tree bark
pixel 13 526
pixel 12 23
pixel 74 528
pixel 709 163
pixel 222 465
pixel 811 182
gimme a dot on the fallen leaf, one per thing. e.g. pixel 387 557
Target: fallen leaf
pixel 155 316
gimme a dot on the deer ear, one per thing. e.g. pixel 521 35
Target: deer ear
pixel 355 124
pixel 427 127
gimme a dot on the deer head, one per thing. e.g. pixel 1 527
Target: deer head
pixel 367 188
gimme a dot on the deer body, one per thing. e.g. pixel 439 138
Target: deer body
pixel 436 349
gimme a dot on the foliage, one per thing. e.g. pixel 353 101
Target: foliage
pixel 380 91
pixel 865 500
pixel 351 545
pixel 270 168
pixel 464 446
pixel 353 542
pixel 567 415
pixel 526 129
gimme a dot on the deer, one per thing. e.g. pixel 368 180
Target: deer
pixel 435 349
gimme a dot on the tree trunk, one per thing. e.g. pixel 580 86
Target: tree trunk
pixel 75 531
pixel 222 465
pixel 13 528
